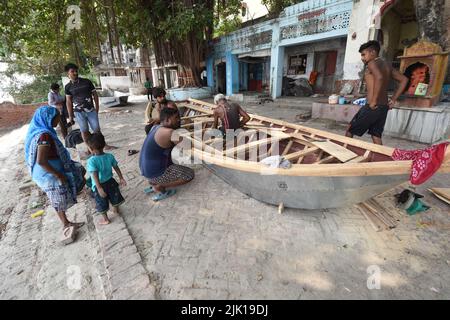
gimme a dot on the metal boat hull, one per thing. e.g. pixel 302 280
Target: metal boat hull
pixel 308 192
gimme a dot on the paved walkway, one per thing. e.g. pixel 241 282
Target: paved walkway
pixel 212 242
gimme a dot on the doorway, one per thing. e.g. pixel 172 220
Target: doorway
pixel 222 78
pixel 325 65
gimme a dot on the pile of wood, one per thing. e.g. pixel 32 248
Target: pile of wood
pixel 378 217
pixel 442 194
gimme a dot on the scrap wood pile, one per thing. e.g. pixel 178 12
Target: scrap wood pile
pixel 442 194
pixel 378 216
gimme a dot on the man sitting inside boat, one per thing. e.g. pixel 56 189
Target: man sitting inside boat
pixel 229 114
pixel 155 159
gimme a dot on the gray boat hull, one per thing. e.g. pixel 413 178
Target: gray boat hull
pixel 308 192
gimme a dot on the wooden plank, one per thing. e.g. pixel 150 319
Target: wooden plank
pixel 250 145
pixel 289 145
pixel 332 136
pixel 325 160
pixel 374 224
pixel 441 193
pixel 300 153
pixel 335 150
pixel 338 151
pixel 195 116
pixel 188 125
pixel 388 222
pixel 357 160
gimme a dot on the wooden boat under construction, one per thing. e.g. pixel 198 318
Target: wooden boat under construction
pixel 328 170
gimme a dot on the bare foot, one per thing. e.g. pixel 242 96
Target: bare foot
pixel 116 210
pixel 104 221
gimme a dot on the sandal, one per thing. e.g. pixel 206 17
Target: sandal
pixel 69 234
pixel 131 152
pixel 163 195
pixel 76 225
pixel 149 190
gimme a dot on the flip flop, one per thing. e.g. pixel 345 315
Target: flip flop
pixel 164 195
pixel 131 152
pixel 77 225
pixel 69 234
pixel 149 190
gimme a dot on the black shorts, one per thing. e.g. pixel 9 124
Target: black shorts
pixel 111 188
pixel 368 119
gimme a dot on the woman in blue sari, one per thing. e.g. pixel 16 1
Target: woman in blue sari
pixel 50 165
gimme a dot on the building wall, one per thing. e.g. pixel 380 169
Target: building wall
pixel 307 22
pixel 310 49
pixel 359 32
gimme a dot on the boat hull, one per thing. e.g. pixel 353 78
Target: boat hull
pixel 307 192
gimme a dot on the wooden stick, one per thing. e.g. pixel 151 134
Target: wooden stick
pixel 374 225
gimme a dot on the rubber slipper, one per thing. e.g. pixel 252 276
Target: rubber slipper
pixel 164 195
pixel 131 152
pixel 69 234
pixel 149 190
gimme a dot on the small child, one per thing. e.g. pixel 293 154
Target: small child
pixel 105 188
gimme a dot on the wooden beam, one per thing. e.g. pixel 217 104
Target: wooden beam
pixel 300 153
pixel 332 136
pixel 325 160
pixel 188 125
pixel 289 145
pixel 250 145
pixel 196 116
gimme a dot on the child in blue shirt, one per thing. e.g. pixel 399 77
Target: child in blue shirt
pixel 105 187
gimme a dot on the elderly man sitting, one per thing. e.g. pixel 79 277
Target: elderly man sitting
pixel 229 114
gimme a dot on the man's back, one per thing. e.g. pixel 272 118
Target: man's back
pixel 155 153
pixel 229 115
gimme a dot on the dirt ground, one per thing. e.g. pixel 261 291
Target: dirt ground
pixel 210 241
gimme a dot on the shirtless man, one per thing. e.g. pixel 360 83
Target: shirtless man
pixel 372 117
pixel 229 114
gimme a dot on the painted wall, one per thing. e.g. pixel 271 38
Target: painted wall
pixel 307 22
pixel 361 20
pixel 309 49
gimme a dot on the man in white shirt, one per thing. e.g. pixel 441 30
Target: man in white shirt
pixel 57 101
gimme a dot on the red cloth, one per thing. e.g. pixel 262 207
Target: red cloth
pixel 425 162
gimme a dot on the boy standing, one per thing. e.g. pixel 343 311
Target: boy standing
pixel 105 187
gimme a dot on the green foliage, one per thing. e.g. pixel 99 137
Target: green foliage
pixel 276 6
pixel 34 38
pixel 35 91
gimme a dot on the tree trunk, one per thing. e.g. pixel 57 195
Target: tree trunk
pixel 430 17
pixel 433 24
pixel 115 31
pixel 110 38
pixel 97 32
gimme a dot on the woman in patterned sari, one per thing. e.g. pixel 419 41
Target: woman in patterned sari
pixel 50 165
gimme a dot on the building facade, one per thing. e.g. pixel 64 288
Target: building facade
pixel 317 40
